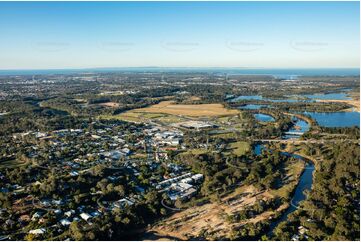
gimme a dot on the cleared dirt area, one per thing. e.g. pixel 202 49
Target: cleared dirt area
pixel 210 217
pixel 110 104
pixel 196 110
pixel 194 98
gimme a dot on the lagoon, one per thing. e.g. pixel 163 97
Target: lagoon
pixel 329 96
pixel 259 97
pixel 251 97
pixel 336 119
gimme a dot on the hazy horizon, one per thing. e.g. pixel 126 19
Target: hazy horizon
pixel 277 72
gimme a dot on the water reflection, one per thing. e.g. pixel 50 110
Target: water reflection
pixel 258 148
pixel 253 106
pixel 336 119
pixel 258 97
pixel 264 117
pixel 298 129
pixel 329 96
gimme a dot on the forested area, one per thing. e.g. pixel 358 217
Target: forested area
pixel 331 210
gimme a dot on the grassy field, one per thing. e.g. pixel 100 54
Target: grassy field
pixel 168 112
pixel 169 119
pixel 138 156
pixel 239 148
pixel 143 117
pixel 11 163
pixel 130 117
pixel 196 110
pixel 195 151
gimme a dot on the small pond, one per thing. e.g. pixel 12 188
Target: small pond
pixel 264 117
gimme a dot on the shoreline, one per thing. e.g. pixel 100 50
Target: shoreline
pixel 354 103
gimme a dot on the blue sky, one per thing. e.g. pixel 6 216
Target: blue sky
pixel 42 35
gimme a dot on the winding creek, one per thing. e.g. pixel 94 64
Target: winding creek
pixel 305 183
pixel 334 119
pixel 306 178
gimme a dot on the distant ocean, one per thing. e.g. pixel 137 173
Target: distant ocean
pixel 282 73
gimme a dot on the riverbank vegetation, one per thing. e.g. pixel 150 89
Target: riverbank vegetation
pixel 331 210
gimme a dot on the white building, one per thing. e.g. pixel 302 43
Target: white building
pixel 122 203
pixel 65 222
pixel 37 231
pixel 85 216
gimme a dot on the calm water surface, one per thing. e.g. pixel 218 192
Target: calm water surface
pixel 300 126
pixel 264 117
pixel 330 96
pixel 336 119
pixel 251 97
pixel 253 106
pixel 258 148
pixel 258 97
pixel 304 184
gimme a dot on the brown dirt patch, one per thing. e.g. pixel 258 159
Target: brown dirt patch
pixel 110 104
pixel 211 217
